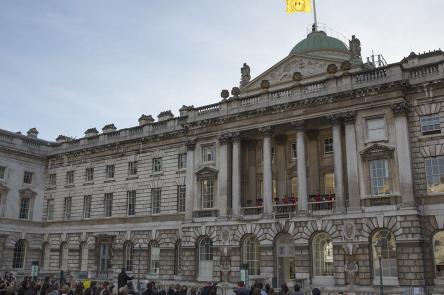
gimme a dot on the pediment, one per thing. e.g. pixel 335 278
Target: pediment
pixel 206 171
pixel 377 150
pixel 284 70
pixel 27 193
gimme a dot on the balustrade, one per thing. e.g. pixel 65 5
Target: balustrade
pixel 424 71
pixel 280 94
pixel 250 101
pixel 208 109
pixel 321 202
pixel 315 87
pixel 371 75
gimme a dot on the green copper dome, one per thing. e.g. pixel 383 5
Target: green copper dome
pixel 319 41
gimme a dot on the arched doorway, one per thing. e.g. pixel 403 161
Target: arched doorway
pixel 284 259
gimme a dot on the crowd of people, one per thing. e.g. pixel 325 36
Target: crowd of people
pixel 125 286
pixel 260 289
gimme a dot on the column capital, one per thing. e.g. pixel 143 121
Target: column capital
pixel 190 144
pixel 349 117
pixel 298 125
pixel 266 131
pixel 235 136
pixel 334 118
pixel 400 108
pixel 224 138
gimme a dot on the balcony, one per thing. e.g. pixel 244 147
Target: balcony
pixel 285 207
pixel 319 204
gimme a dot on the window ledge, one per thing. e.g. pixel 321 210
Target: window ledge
pixel 109 180
pixel 131 177
pixel 208 163
pixel 155 174
pixel 69 185
pixel 386 281
pixel 424 137
pixel 384 140
pixel 204 278
pixel 50 187
pixel 323 280
pixel 88 183
pixel 434 194
pixel 181 170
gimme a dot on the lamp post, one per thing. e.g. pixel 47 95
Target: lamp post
pixel 378 247
pixel 138 268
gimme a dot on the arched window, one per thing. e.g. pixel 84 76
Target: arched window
pixel 251 254
pixel 387 243
pixel 177 258
pixel 322 255
pixel 438 250
pixel 154 257
pixel 205 258
pixel 129 256
pixel 18 260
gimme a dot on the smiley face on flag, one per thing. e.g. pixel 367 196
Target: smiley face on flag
pixel 298 6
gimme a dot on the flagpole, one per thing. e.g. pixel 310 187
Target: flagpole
pixel 315 19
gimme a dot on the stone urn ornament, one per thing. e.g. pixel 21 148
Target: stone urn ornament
pixel 235 91
pixel 346 66
pixel 332 69
pixel 225 94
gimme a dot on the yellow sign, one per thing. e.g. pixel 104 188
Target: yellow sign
pixel 294 6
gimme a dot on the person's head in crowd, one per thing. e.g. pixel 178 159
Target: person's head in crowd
pixel 241 284
pixel 130 285
pixel 267 287
pixel 64 289
pixel 316 291
pixel 297 287
pixel 123 290
pixel 177 287
pixel 256 291
pixel 193 291
pixel 87 292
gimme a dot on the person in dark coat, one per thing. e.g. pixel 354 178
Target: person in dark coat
pixel 241 289
pixel 150 289
pixel 123 279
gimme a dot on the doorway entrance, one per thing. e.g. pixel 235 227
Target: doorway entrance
pixel 285 259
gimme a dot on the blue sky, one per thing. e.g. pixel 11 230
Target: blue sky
pixel 69 65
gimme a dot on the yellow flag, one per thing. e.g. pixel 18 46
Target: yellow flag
pixel 298 6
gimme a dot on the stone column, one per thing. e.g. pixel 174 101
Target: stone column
pixel 337 158
pixel 302 166
pixel 222 187
pixel 351 153
pixel 400 110
pixel 189 180
pixel 236 175
pixel 266 170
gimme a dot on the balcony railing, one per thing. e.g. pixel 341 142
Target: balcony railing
pixel 321 202
pixel 255 210
pixel 205 213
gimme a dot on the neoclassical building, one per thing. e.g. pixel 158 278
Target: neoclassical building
pixel 308 173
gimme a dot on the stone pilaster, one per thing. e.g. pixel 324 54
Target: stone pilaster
pixel 222 199
pixel 236 175
pixel 301 166
pixel 351 154
pixel 189 180
pixel 267 170
pixel 400 111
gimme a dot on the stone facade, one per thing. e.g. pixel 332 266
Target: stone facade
pixel 295 165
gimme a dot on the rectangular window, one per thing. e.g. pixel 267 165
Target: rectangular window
pixel 430 124
pixel 131 202
pixel 207 193
pixel 50 209
pixel 70 177
pixel 182 161
pixel 208 153
pixel 156 194
pixel 27 177
pixel 273 153
pixel 181 192
pixel 379 176
pixel 375 129
pixel 108 205
pixel 157 165
pixel 104 258
pixel 435 174
pixel 52 179
pixel 68 205
pixel 155 260
pixel 132 168
pixel 294 151
pixel 89 174
pixel 2 172
pixel 329 183
pixel 25 207
pixel 110 171
pixel 328 145
pixel 87 206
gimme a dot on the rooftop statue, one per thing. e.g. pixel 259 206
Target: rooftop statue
pixel 245 75
pixel 355 47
